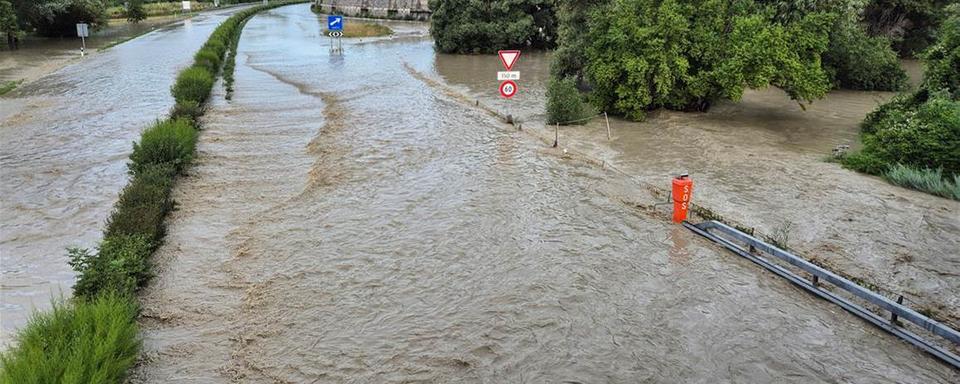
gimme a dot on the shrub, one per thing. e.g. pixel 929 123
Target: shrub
pixel 469 26
pixel 187 110
pixel 135 12
pixel 143 204
pixel 927 180
pixel 166 142
pixel 207 59
pixel 865 162
pixel 565 104
pixel 84 341
pixel 857 61
pixel 942 60
pixel 925 137
pixel 120 265
pixel 193 84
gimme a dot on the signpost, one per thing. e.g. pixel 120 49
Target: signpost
pixel 83 30
pixel 508 87
pixel 335 28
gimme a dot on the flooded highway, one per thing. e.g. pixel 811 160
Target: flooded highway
pixel 347 221
pixel 65 139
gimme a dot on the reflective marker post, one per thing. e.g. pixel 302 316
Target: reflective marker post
pixel 83 30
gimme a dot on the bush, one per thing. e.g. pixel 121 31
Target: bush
pixel 942 60
pixel 865 162
pixel 79 342
pixel 135 12
pixel 121 265
pixel 193 84
pixel 858 61
pixel 190 110
pixel 143 204
pixel 925 137
pixel 166 142
pixel 927 180
pixel 565 104
pixel 207 59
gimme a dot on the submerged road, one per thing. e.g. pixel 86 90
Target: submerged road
pixel 64 142
pixel 348 222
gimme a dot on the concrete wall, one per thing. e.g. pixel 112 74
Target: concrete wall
pixel 388 9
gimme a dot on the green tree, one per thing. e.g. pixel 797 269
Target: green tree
pixel 135 12
pixel 9 25
pixel 475 26
pixel 685 55
pixel 58 18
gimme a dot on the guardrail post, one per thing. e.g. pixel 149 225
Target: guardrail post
pixel 893 315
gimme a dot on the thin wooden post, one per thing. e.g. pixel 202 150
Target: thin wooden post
pixel 608 125
pixel 556 138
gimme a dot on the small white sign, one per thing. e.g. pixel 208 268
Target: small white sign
pixel 186 5
pixel 514 75
pixel 83 30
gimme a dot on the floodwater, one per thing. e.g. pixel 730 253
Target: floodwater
pixel 348 220
pixel 761 163
pixel 64 142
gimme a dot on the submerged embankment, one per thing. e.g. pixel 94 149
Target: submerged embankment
pixel 347 222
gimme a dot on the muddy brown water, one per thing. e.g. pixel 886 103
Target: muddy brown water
pixel 64 142
pixel 348 221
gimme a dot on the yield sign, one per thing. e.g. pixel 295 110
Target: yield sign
pixel 509 58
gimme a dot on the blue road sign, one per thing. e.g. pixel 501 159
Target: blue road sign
pixel 335 23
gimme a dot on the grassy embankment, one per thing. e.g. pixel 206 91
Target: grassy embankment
pixel 93 338
pixel 158 9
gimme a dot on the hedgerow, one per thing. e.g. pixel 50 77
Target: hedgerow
pixel 92 338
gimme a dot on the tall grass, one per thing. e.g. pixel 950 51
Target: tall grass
pixel 79 341
pixel 927 180
pixel 93 337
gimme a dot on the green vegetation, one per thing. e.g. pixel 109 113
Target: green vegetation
pixel 565 105
pixel 154 8
pixel 81 341
pixel 193 84
pixel 58 18
pixel 855 60
pixel 120 265
pixel 907 138
pixel 686 55
pixel 470 26
pixel 135 12
pixel 93 338
pixel 927 180
pixel 8 86
pixel 9 25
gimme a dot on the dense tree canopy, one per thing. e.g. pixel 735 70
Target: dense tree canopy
pixel 911 24
pixel 59 17
pixel 645 54
pixel 474 26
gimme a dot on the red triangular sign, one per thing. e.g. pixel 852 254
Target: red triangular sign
pixel 509 58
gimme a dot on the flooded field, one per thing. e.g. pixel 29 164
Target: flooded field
pixel 349 221
pixel 65 140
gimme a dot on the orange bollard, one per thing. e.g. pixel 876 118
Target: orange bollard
pixel 682 193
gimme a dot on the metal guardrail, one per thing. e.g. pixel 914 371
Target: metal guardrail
pixel 755 249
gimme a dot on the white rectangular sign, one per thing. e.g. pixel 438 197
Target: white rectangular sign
pixel 512 75
pixel 83 30
pixel 186 5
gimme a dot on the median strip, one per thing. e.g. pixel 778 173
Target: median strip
pixel 93 337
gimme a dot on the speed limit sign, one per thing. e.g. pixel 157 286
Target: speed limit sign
pixel 508 89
